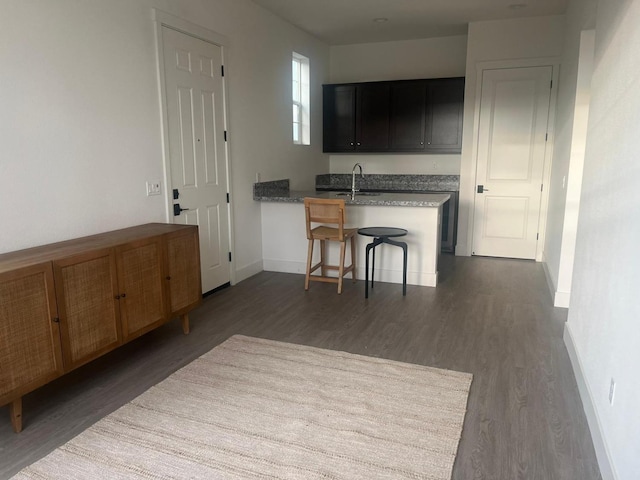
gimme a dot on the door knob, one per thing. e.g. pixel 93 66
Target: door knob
pixel 177 209
pixel 481 189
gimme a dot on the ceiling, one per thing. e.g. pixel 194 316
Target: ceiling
pixel 342 22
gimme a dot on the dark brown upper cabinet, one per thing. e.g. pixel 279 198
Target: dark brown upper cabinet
pixel 445 102
pixel 408 114
pixel 339 118
pixel 356 117
pixel 420 116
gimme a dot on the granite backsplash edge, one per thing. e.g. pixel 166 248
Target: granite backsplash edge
pixel 390 182
pixel 381 182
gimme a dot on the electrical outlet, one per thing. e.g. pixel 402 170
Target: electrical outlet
pixel 153 188
pixel 612 391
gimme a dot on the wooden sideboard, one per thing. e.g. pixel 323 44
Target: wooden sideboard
pixel 65 304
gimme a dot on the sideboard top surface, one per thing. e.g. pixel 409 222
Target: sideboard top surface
pixel 54 251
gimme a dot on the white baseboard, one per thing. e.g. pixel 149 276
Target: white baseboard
pixel 599 442
pixel 284 266
pixel 389 276
pixel 248 271
pixel 560 299
pixel 461 250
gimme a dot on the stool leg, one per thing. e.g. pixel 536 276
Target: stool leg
pixel 309 257
pixel 353 258
pixel 343 248
pixel 404 269
pixel 323 269
pixel 366 271
pixel 373 261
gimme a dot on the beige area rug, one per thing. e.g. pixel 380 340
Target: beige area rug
pixel 259 409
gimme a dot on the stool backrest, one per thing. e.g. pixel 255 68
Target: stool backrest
pixel 326 211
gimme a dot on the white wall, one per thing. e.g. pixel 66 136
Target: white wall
pixel 603 322
pixel 400 60
pixel 498 40
pixel 569 147
pixel 80 123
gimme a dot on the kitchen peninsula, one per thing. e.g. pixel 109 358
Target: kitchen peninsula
pixel 284 242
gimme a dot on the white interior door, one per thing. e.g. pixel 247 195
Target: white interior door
pixel 197 150
pixel 514 113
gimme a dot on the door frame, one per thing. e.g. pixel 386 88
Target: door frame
pixel 553 62
pixel 164 19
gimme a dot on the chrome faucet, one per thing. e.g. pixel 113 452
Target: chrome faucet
pixel 353 180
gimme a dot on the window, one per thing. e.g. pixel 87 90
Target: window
pixel 300 90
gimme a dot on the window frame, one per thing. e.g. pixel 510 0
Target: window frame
pixel 300 99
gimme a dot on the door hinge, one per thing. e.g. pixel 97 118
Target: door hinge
pixel 541 186
pixel 225 135
pixel 551 85
pixel 537 236
pixel 546 137
pixel 229 256
pixel 222 70
pixel 227 197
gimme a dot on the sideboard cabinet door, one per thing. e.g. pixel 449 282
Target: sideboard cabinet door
pixel 87 293
pixel 183 263
pixel 140 283
pixel 30 349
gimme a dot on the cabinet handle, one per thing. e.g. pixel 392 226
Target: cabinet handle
pixel 123 295
pixel 358 143
pixel 55 320
pixel 168 277
pixel 117 297
pixel 421 143
pixel 351 144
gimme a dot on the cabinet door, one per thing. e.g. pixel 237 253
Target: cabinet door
pixel 183 263
pixel 407 123
pixel 30 349
pixel 141 283
pixel 444 115
pixel 339 110
pixel 86 290
pixel 372 117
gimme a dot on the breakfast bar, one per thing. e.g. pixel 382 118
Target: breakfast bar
pixel 284 242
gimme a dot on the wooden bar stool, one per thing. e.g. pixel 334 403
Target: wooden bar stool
pixel 383 235
pixel 328 211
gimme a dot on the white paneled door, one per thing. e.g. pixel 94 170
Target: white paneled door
pixel 197 151
pixel 514 113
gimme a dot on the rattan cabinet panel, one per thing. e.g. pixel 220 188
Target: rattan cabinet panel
pixel 86 288
pixel 183 260
pixel 141 280
pixel 30 350
pixel 64 304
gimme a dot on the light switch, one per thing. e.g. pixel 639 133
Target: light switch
pixel 154 188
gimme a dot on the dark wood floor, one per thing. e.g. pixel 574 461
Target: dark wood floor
pixel 490 317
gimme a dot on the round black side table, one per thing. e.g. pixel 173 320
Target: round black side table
pixel 383 235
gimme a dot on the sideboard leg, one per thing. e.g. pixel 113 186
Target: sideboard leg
pixel 15 412
pixel 185 323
